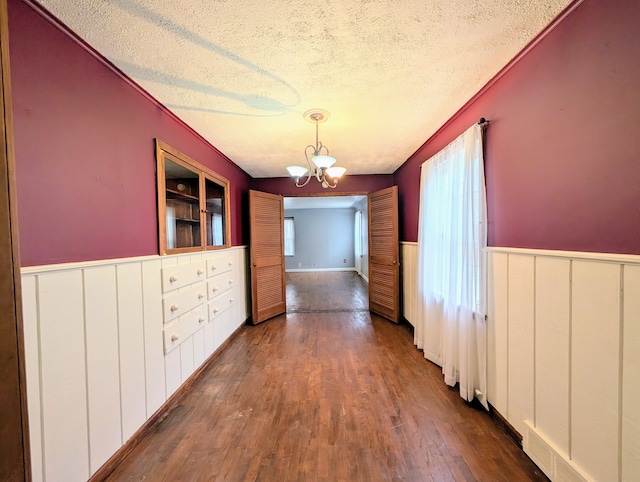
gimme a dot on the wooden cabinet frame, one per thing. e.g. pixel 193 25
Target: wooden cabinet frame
pixel 165 152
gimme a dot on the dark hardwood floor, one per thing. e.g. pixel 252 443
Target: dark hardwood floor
pixel 326 392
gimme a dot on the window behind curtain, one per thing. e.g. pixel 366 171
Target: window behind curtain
pixel 289 237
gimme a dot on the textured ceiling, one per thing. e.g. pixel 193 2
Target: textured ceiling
pixel 243 72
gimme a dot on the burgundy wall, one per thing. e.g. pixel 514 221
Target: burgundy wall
pixel 84 142
pixel 563 150
pixel 349 184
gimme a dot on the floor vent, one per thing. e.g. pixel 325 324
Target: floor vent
pixel 553 463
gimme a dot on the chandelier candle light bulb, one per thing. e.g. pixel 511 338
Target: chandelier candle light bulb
pixel 320 156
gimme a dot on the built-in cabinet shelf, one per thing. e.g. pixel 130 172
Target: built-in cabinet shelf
pixel 193 204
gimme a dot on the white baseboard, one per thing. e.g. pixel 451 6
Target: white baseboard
pixel 362 275
pixel 315 270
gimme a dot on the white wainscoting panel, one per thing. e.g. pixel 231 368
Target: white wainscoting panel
pixel 32 368
pixel 173 372
pixel 207 333
pixel 186 359
pixel 153 342
pixel 571 325
pixel 95 363
pixel 131 329
pixel 409 270
pixel 595 365
pixel 552 327
pixel 631 375
pixel 498 332
pixel 63 376
pixel 103 363
pixel 198 347
pixel 520 379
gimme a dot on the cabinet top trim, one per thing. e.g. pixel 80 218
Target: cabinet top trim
pixel 31 270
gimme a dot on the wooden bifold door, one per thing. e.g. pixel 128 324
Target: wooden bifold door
pixel 268 279
pixel 268 282
pixel 384 265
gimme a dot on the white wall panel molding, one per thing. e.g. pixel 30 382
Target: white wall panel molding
pixel 578 326
pixel 409 271
pixel 95 361
pixel 65 428
pixel 521 340
pixel 103 363
pixel 605 257
pixel 32 366
pixel 498 332
pixel 595 361
pixel 630 406
pixel 552 348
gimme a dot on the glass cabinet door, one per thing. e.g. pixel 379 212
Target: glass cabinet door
pixel 193 204
pixel 182 206
pixel 215 212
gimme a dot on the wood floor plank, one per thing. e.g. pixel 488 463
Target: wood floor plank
pixel 327 392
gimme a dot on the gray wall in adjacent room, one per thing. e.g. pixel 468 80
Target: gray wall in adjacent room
pixel 324 239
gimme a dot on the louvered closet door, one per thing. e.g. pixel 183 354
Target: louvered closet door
pixel 384 267
pixel 268 290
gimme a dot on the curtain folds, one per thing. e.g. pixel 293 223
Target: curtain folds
pixel 357 241
pixel 452 235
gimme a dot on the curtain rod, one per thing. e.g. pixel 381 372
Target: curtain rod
pixel 482 123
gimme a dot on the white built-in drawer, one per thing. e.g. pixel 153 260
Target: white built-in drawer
pixel 221 263
pixel 181 329
pixel 174 277
pixel 219 284
pixel 220 304
pixel 175 304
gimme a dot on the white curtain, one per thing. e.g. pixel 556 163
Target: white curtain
pixel 289 237
pixel 357 241
pixel 452 235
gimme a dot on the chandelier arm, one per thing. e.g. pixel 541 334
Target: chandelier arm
pixel 308 171
pixel 325 160
pixel 304 183
pixel 320 147
pixel 335 184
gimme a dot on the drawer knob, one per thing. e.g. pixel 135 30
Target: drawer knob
pixel 200 295
pixel 175 337
pixel 173 278
pixel 214 267
pixel 215 288
pixel 215 310
pixel 199 271
pixel 230 281
pixel 230 263
pixel 230 300
pixel 201 319
pixel 174 307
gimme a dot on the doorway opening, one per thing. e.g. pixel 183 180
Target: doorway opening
pixel 326 253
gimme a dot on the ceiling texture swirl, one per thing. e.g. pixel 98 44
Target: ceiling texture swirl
pixel 242 73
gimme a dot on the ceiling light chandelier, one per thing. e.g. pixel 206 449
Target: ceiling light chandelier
pixel 324 171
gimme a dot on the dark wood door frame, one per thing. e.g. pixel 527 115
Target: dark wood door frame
pixel 14 434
